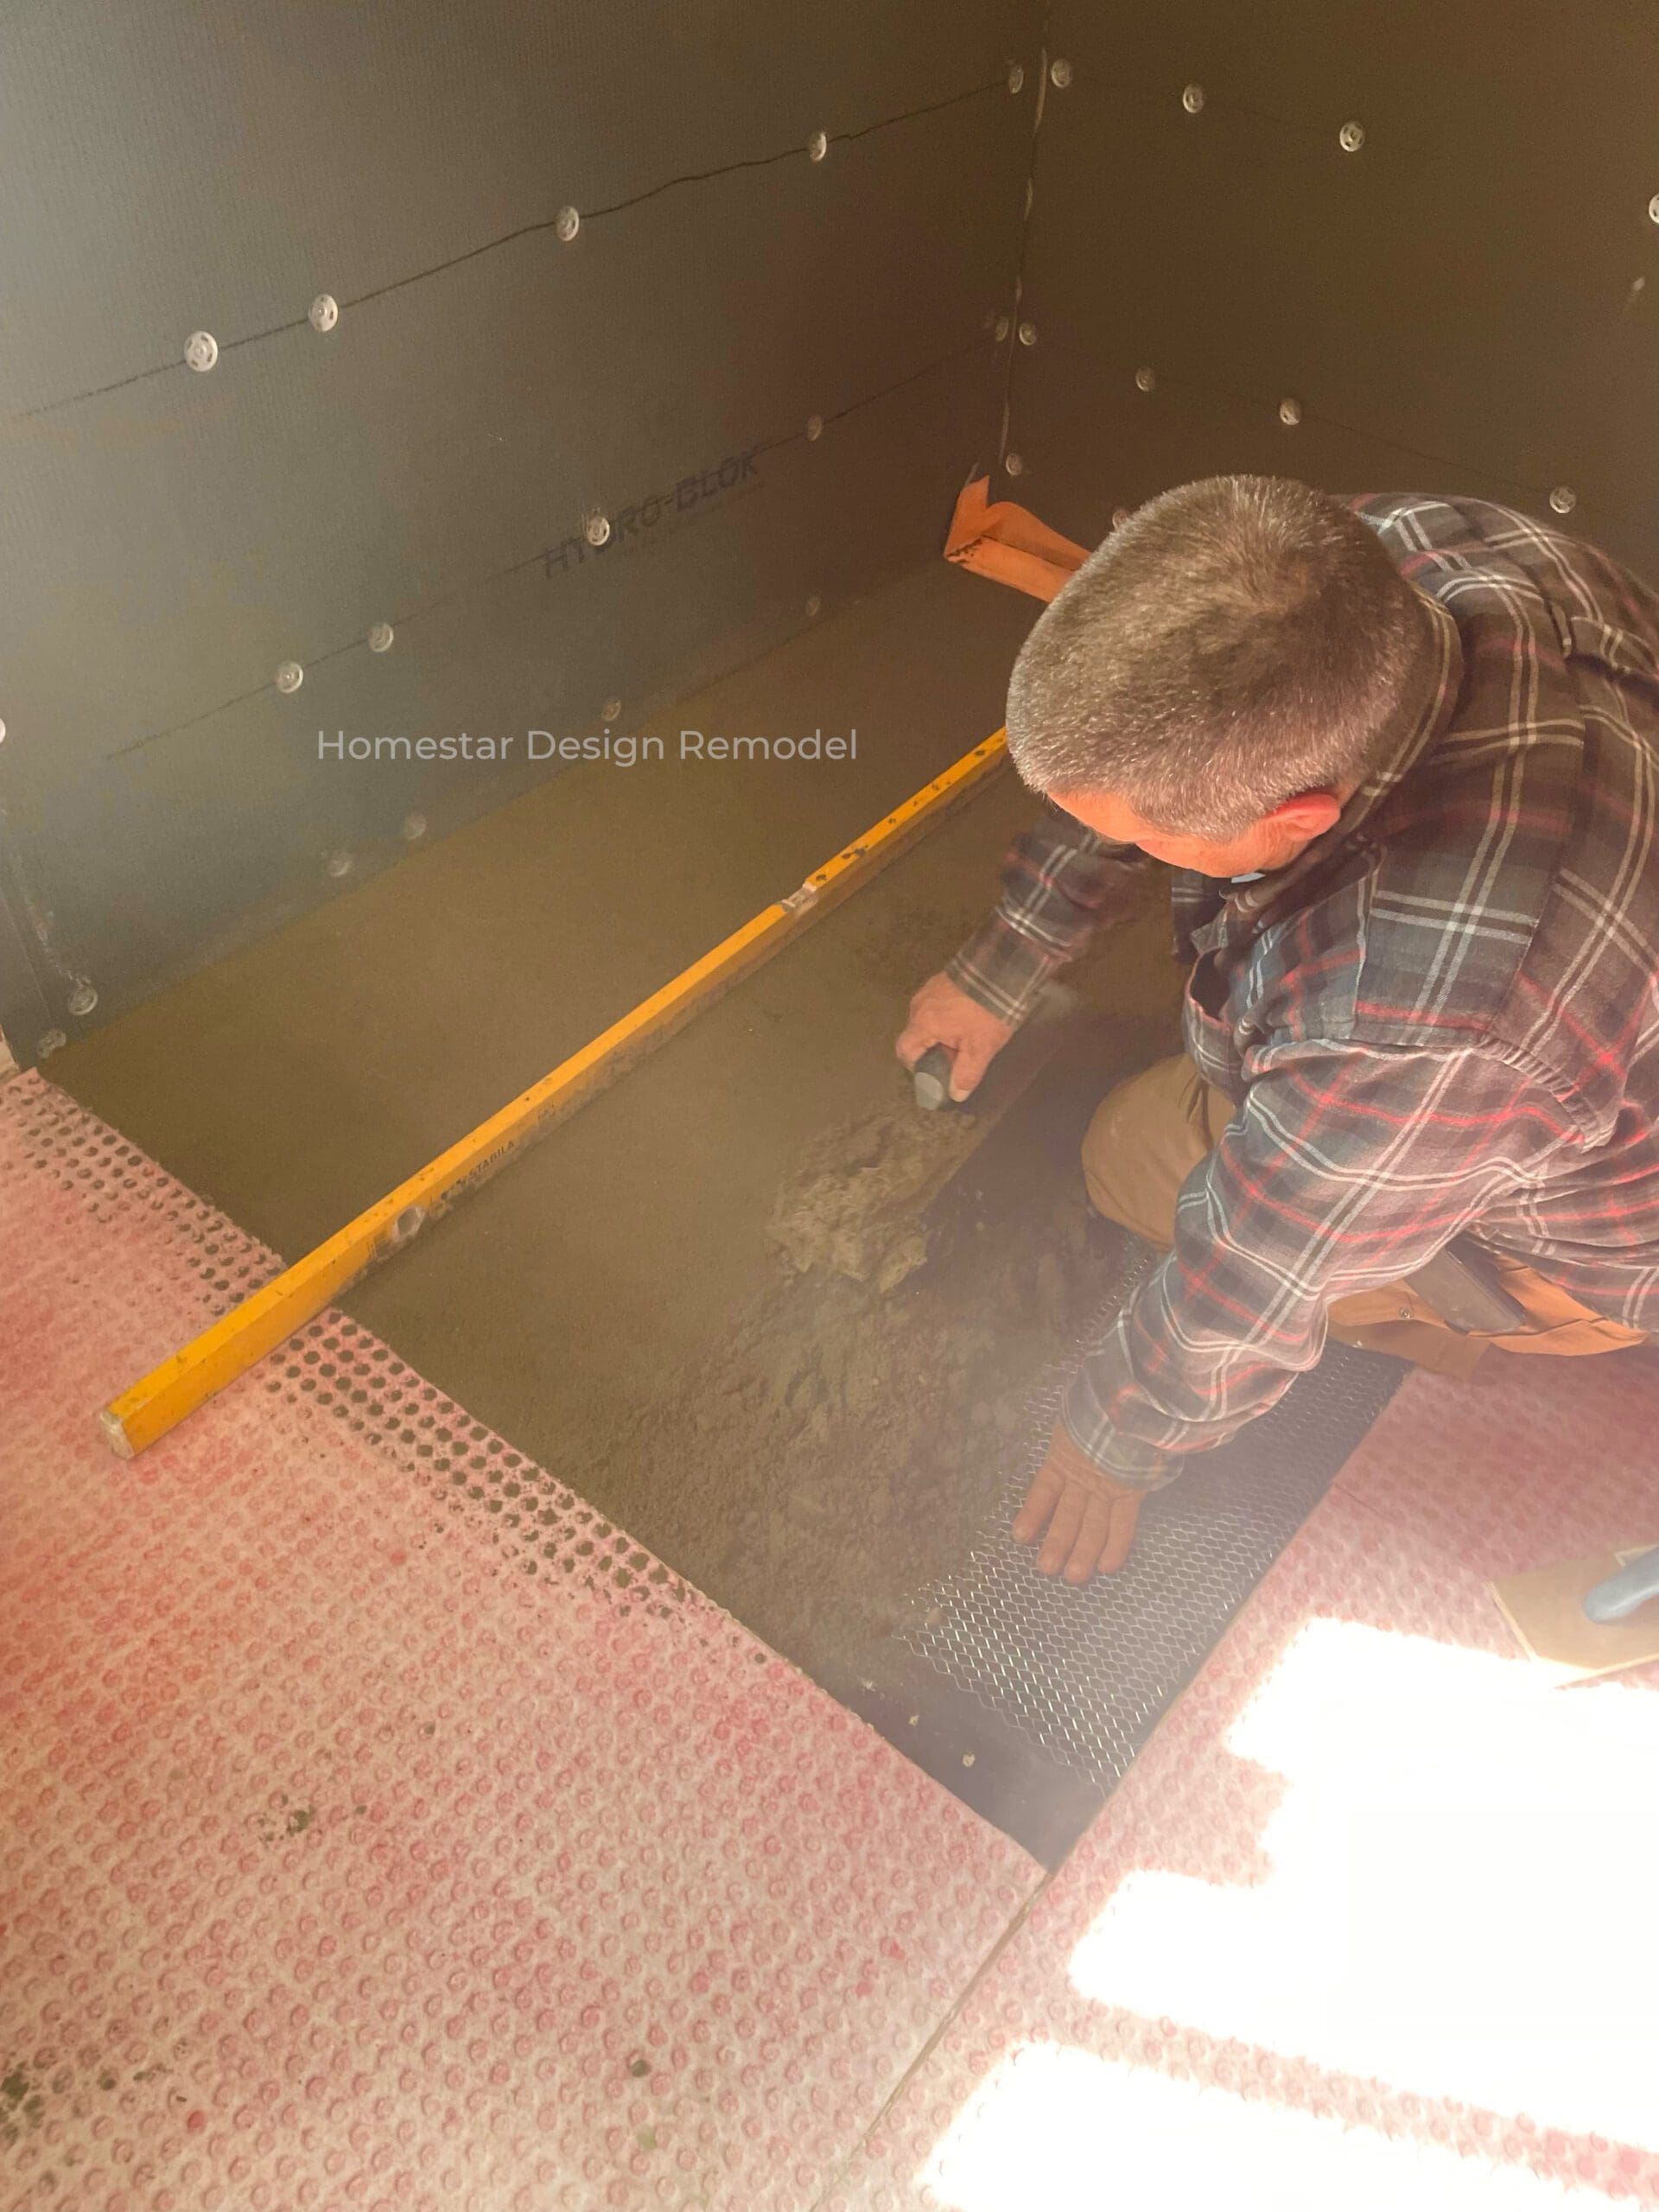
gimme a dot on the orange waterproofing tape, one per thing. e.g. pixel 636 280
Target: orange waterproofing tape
pixel 243 1337
pixel 997 539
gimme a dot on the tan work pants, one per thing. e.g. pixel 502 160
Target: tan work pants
pixel 1149 1136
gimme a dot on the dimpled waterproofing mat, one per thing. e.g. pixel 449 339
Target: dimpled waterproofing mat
pixel 379 1829
pixel 1086 1672
pixel 1369 1923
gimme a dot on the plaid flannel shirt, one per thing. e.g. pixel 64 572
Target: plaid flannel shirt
pixel 1440 1019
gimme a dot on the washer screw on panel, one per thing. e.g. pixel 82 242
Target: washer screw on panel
pixel 82 999
pixel 1016 78
pixel 816 146
pixel 566 224
pixel 1014 463
pixel 612 710
pixel 814 607
pixel 380 638
pixel 1563 498
pixel 1144 380
pixel 323 312
pixel 596 528
pixel 1002 328
pixel 2 733
pixel 815 426
pixel 201 349
pixel 54 1041
pixel 1653 208
pixel 1290 412
pixel 1351 137
pixel 1027 333
pixel 339 863
pixel 411 826
pixel 1192 99
pixel 1059 74
pixel 290 676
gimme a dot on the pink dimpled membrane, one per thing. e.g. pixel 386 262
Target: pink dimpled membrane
pixel 378 1825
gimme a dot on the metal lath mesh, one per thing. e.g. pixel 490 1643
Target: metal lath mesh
pixel 1086 1673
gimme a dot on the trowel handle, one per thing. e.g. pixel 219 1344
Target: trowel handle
pixel 1617 1598
pixel 931 1078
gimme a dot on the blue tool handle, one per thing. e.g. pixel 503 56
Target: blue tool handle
pixel 1617 1598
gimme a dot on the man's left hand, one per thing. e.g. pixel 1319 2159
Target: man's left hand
pixel 1089 1517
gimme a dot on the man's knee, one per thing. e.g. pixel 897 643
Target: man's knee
pixel 1114 1154
pixel 1146 1137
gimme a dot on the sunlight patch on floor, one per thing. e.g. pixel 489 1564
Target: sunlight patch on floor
pixel 1457 1904
pixel 1059 2128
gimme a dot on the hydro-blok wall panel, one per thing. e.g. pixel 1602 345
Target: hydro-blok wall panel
pixel 441 369
pixel 1379 247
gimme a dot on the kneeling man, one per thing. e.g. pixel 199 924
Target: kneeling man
pixel 1402 755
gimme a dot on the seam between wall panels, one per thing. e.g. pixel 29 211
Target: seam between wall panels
pixel 1024 229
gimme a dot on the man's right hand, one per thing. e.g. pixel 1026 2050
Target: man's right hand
pixel 943 1014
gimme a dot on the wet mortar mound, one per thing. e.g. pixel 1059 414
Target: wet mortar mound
pixel 840 1470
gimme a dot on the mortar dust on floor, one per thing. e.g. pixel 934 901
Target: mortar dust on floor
pixel 838 1446
pixel 705 1303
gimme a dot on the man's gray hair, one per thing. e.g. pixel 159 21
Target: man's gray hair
pixel 1233 644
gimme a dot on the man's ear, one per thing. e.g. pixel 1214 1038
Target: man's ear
pixel 1307 816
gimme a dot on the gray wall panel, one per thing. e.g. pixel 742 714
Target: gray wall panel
pixel 190 162
pixel 176 535
pixel 230 823
pixel 1470 301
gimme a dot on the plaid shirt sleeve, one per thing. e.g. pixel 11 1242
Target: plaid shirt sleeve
pixel 1346 1168
pixel 1060 883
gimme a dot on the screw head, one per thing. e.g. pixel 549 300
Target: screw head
pixel 596 528
pixel 290 676
pixel 2 733
pixel 566 224
pixel 1192 99
pixel 1027 333
pixel 380 638
pixel 54 1041
pixel 1351 137
pixel 1016 78
pixel 816 146
pixel 323 312
pixel 411 826
pixel 1145 380
pixel 339 863
pixel 82 999
pixel 1290 412
pixel 1059 74
pixel 814 607
pixel 1563 498
pixel 1014 463
pixel 1653 208
pixel 815 426
pixel 201 350
pixel 611 711
pixel 1002 328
